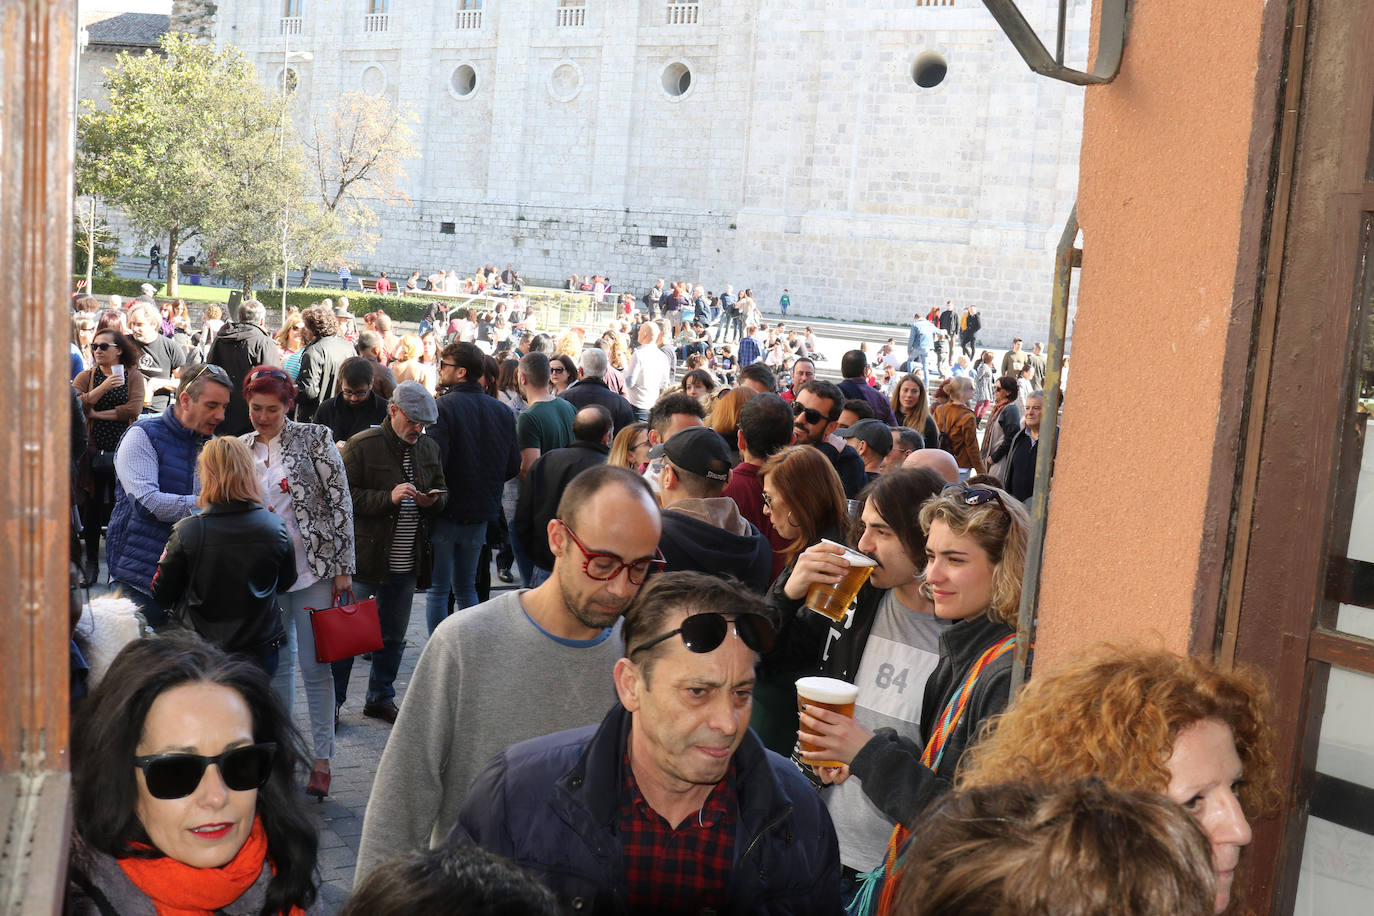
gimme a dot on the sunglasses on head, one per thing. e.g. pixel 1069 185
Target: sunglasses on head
pixel 813 416
pixel 973 496
pixel 704 633
pixel 170 776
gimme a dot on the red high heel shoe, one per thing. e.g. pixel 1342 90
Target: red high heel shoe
pixel 318 785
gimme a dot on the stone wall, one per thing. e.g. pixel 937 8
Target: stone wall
pixel 770 143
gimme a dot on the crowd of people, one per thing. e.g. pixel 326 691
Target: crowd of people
pixel 621 731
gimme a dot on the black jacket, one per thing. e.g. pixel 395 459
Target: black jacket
pixel 319 373
pixel 591 391
pixel 549 476
pixel 238 348
pixel 221 572
pixel 691 543
pixel 1020 472
pixel 890 766
pixel 345 421
pixel 476 436
pixel 848 465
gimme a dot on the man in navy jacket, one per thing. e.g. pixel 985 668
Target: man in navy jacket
pixel 671 804
pixel 476 435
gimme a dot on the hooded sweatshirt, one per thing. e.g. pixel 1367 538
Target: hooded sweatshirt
pixel 710 536
pixel 239 348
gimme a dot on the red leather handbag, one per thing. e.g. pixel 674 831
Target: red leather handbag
pixel 346 629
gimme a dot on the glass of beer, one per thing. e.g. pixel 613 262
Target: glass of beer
pixel 831 693
pixel 833 600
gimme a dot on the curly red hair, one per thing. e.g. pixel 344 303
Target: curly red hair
pixel 1116 715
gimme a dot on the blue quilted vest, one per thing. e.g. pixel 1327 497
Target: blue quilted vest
pixel 135 538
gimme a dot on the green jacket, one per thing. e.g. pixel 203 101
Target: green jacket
pixel 373 461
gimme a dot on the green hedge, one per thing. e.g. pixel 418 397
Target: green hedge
pixel 553 308
pixel 129 287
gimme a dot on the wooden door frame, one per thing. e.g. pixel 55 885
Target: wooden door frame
pixel 1299 399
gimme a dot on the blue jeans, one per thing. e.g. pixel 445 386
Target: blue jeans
pixel 298 653
pixel 539 575
pixel 154 614
pixel 524 564
pixel 456 552
pixel 393 611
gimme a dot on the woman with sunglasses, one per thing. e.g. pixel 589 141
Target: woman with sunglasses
pixel 630 449
pixel 183 766
pixel 1004 422
pixel 562 372
pixel 222 567
pixel 111 393
pixel 975 551
pixel 304 483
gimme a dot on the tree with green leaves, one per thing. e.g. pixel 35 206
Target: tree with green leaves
pixel 193 146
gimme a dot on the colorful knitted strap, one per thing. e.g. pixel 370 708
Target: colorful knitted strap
pixel 934 753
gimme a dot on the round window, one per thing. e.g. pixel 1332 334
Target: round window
pixel 929 70
pixel 463 82
pixel 677 79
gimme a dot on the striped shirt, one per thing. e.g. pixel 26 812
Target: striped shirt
pixel 407 524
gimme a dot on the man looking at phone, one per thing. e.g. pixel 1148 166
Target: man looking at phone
pixel 396 477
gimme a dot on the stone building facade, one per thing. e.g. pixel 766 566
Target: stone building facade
pixel 872 157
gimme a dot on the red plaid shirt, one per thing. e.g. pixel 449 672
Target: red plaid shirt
pixel 677 871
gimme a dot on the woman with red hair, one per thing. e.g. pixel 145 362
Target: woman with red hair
pixel 304 483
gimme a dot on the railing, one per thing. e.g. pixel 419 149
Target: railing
pixel 375 22
pixel 291 25
pixel 934 2
pixel 572 15
pixel 469 19
pixel 683 13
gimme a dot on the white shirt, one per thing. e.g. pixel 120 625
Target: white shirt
pixel 267 461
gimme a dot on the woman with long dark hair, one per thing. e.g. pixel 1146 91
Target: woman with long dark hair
pixel 911 407
pixel 111 393
pixel 183 777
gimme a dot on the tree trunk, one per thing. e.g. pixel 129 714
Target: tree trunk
pixel 172 263
pixel 90 248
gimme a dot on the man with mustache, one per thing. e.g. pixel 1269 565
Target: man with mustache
pixel 520 666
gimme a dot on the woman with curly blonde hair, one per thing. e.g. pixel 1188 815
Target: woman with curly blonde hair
pixel 975 553
pixel 1144 719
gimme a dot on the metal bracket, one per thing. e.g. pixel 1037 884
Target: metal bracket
pixel 1111 41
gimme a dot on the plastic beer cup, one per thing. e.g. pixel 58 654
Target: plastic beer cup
pixel 833 600
pixel 833 694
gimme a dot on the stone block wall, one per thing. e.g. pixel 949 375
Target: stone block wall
pixel 774 143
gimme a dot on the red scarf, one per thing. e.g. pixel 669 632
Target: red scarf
pixel 177 889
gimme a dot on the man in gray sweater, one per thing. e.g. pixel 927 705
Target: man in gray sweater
pixel 520 666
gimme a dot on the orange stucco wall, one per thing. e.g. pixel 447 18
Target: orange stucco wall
pixel 1163 181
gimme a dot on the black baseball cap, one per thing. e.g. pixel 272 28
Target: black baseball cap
pixel 875 433
pixel 699 450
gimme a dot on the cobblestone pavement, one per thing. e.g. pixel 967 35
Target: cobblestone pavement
pixel 358 746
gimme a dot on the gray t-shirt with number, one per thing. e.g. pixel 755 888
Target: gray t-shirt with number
pixel 902 650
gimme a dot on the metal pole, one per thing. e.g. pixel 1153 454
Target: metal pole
pixel 285 266
pixel 1066 258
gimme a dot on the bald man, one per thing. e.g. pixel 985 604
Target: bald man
pixel 937 459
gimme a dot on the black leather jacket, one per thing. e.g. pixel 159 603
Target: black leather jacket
pixel 220 574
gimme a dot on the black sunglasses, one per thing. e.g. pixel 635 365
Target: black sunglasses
pixel 100 347
pixel 703 633
pixel 177 775
pixel 973 496
pixel 813 416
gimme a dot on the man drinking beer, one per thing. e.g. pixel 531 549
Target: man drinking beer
pixel 886 645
